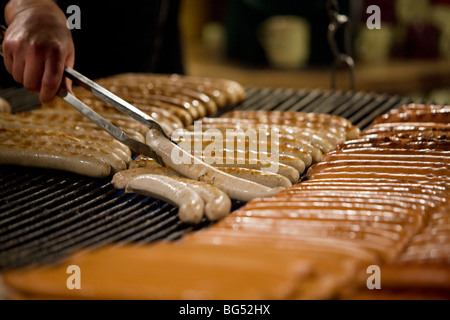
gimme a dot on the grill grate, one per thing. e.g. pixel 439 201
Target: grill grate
pixel 46 215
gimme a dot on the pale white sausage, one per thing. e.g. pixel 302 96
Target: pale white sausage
pixel 53 158
pixel 190 204
pixel 193 168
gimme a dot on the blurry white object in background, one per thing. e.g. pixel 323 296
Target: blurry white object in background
pixel 374 46
pixel 286 41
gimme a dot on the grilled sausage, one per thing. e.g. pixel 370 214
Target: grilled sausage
pixel 437 115
pixel 30 120
pixel 423 134
pixel 406 126
pixel 54 158
pixel 425 196
pixel 412 145
pixel 138 167
pixel 405 169
pixel 266 151
pixel 217 203
pixel 230 92
pixel 236 188
pixel 249 155
pixel 142 161
pixel 350 162
pixel 262 143
pixel 234 92
pixel 289 115
pixel 69 127
pixel 396 150
pixel 331 131
pixel 337 211
pixel 180 113
pixel 412 138
pixel 356 196
pixel 323 141
pixel 361 156
pixel 51 116
pixel 269 179
pixel 110 145
pixel 377 173
pixel 121 179
pixel 189 203
pixel 112 159
pixel 183 105
pixel 202 105
pixel 222 162
pixel 215 94
pixel 292 174
pixel 428 187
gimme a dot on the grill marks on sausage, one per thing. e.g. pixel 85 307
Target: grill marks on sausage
pixel 64 141
pixel 385 193
pixel 174 101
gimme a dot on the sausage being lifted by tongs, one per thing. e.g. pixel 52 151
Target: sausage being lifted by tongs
pixel 159 145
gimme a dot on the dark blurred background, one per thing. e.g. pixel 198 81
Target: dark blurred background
pixel 283 43
pixel 409 55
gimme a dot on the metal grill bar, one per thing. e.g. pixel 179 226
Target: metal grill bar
pixel 305 101
pixel 360 108
pixel 53 195
pixel 46 215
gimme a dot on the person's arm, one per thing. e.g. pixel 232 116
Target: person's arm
pixel 37 45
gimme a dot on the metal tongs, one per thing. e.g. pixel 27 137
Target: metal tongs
pixel 119 104
pixel 112 99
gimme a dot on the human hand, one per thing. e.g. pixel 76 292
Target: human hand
pixel 37 46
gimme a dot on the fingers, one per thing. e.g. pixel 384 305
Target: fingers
pixel 18 67
pixel 8 57
pixel 14 61
pixel 52 76
pixel 40 69
pixel 32 74
pixel 36 47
